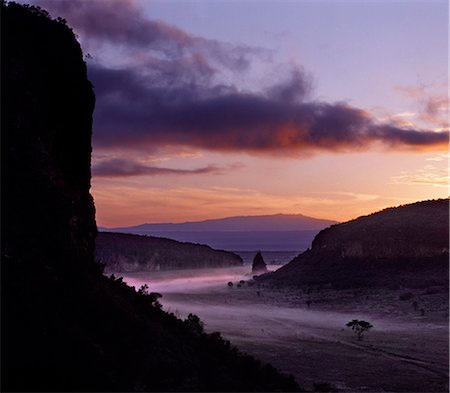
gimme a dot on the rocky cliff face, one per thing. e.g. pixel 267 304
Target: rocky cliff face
pixel 47 105
pixel 131 253
pixel 65 326
pixel 402 246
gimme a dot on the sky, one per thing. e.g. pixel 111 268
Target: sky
pixel 208 109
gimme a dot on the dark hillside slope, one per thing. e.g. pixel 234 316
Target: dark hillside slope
pixel 121 252
pixel 65 326
pixel 416 230
pixel 402 246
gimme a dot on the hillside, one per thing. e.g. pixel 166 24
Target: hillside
pixel 402 246
pixel 416 230
pixel 278 232
pixel 130 253
pixel 66 326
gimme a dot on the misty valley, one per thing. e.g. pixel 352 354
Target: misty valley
pixel 405 351
pixel 364 308
pixel 184 208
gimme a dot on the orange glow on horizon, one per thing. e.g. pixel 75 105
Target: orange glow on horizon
pixel 122 207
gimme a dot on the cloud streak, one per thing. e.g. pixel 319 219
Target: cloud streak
pixel 123 23
pixel 432 108
pixel 429 175
pixel 118 167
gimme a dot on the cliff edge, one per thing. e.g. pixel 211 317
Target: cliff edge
pixel 65 326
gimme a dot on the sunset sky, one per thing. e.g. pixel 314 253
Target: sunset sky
pixel 208 109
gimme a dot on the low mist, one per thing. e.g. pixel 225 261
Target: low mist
pixel 311 343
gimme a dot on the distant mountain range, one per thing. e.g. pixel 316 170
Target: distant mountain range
pixel 278 232
pixel 402 246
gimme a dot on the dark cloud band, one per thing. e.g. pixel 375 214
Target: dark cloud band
pixel 131 113
pixel 127 168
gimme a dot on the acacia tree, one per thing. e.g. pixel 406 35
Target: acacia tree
pixel 359 327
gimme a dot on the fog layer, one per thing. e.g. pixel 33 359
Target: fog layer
pixel 311 343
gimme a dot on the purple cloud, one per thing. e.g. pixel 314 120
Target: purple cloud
pixel 124 168
pixel 122 22
pixel 173 96
pixel 132 113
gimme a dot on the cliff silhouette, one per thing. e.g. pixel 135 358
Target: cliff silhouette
pixel 121 252
pixel 402 246
pixel 66 326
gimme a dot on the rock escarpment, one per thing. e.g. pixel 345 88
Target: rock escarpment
pixel 122 252
pixel 65 326
pixel 402 246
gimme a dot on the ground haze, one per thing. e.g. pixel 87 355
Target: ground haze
pixel 403 352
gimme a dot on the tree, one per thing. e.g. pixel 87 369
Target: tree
pixel 359 327
pixel 143 290
pixel 152 296
pixel 194 323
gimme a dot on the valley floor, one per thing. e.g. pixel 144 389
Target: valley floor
pixel 406 351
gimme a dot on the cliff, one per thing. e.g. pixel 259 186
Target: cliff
pixel 65 326
pixel 401 246
pixel 130 253
pixel 47 105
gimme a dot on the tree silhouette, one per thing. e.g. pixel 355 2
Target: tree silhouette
pixel 359 327
pixel 194 323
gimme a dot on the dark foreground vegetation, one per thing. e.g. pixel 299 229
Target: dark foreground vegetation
pixel 65 326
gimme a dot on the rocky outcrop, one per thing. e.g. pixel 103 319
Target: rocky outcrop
pixel 402 246
pixel 131 253
pixel 65 326
pixel 259 266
